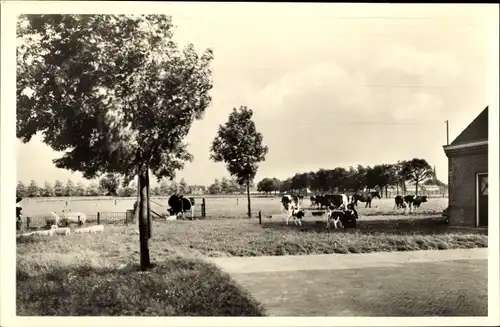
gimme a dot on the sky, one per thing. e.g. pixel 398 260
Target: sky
pixel 330 85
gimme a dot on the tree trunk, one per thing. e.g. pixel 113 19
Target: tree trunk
pixel 149 204
pixel 397 188
pixel 248 197
pixel 386 191
pixel 143 219
pixel 416 188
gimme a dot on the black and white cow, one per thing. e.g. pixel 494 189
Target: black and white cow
pixel 342 217
pixel 335 200
pixel 399 202
pixel 179 205
pixel 414 201
pixel 296 215
pixel 288 202
pixel 289 205
pixel 312 198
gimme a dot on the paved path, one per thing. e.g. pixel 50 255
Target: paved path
pixel 420 283
pixel 342 261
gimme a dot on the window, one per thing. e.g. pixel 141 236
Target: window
pixel 483 185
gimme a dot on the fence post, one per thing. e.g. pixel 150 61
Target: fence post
pixel 98 218
pixel 28 220
pixel 260 217
pixel 203 208
pixel 79 222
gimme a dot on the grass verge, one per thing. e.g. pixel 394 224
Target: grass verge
pixel 63 276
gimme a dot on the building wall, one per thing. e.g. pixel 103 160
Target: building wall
pixel 462 181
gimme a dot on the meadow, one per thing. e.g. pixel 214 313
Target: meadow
pixel 216 206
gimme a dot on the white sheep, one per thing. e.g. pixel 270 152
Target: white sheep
pixel 93 229
pixel 62 231
pixel 49 232
pixel 23 235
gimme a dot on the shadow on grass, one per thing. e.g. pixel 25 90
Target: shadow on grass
pixel 176 287
pixel 403 226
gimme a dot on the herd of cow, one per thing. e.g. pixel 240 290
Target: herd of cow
pixel 340 208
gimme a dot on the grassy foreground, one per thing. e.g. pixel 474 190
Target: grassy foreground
pixel 245 237
pixel 95 275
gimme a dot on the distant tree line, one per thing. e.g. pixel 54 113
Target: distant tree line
pixel 226 186
pixel 109 185
pixel 355 179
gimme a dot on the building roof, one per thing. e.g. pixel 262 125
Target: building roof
pixel 476 131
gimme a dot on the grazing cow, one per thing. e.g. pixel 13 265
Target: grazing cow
pixel 341 217
pixel 324 200
pixel 179 204
pixel 335 200
pixel 297 216
pixel 399 202
pixel 365 197
pixel 414 201
pixel 313 200
pixel 288 202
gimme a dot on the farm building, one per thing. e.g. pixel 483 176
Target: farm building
pixel 468 174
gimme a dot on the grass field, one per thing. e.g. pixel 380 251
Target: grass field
pixel 245 237
pixel 215 206
pixel 97 275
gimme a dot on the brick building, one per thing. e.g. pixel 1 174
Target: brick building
pixel 468 174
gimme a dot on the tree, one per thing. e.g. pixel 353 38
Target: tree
pixel 184 187
pixel 321 180
pixel 224 186
pixel 80 189
pixel 47 190
pixel 215 188
pixel 156 191
pixel 21 191
pixel 276 185
pixel 233 185
pixel 239 146
pixel 69 190
pixel 299 182
pixel 417 170
pixel 285 186
pixel 33 189
pixel 266 185
pixel 173 188
pixel 113 91
pixel 164 187
pixel 110 183
pixel 92 189
pixel 58 188
pixel 130 190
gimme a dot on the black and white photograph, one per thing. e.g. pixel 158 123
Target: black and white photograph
pixel 273 160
